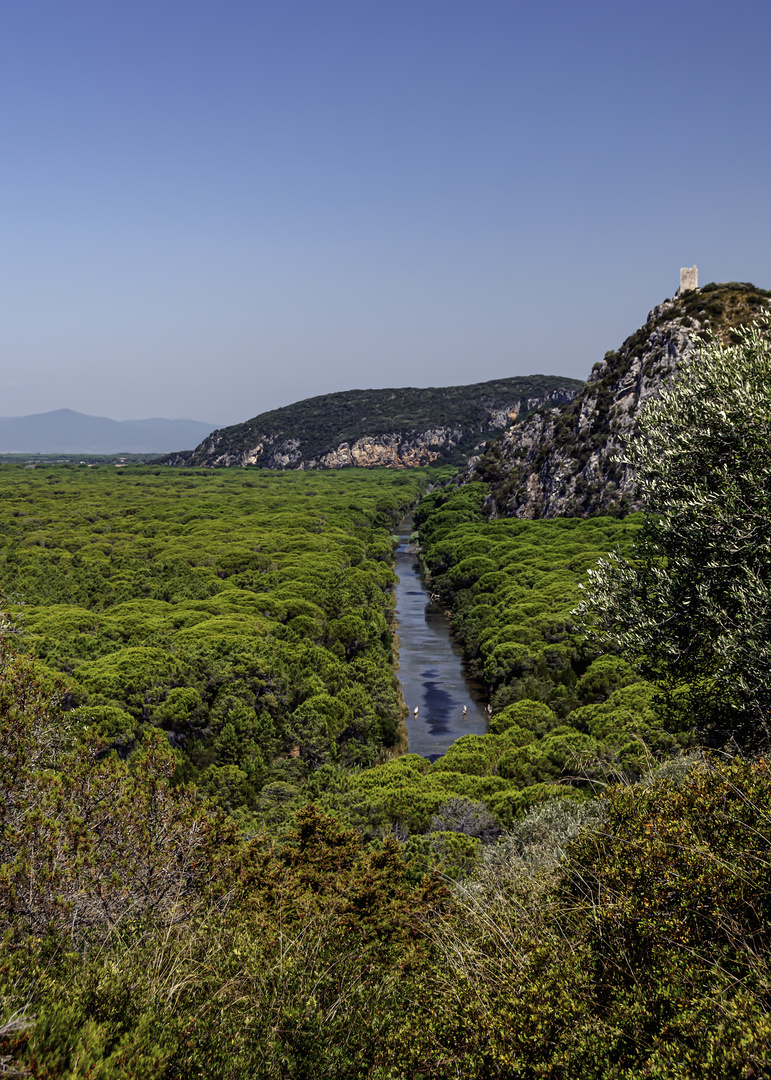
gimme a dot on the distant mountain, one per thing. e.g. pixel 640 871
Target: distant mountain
pixel 397 427
pixel 66 432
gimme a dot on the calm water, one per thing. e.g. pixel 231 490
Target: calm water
pixel 431 668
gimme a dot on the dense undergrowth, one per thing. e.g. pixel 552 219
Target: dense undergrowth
pixel 144 936
pixel 579 893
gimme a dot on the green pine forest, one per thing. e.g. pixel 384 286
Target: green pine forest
pixel 219 858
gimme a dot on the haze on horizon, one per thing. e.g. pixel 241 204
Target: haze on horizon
pixel 215 209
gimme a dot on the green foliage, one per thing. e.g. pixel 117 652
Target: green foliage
pixel 581 427
pixel 239 635
pixel 561 713
pixel 449 852
pixel 565 721
pixel 533 717
pixel 243 613
pixel 321 424
pixel 141 935
pixel 694 604
pixel 603 676
pixel 511 586
pixel 621 940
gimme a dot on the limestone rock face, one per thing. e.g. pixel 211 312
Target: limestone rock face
pixel 390 449
pixel 565 460
pixel 394 428
pixel 424 448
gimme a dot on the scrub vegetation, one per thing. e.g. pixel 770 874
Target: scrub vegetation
pixel 321 424
pixel 694 606
pixel 144 935
pixel 216 863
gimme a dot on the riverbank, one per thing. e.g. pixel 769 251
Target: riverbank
pixel 442 702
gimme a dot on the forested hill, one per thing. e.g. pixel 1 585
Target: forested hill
pixel 562 461
pixel 397 427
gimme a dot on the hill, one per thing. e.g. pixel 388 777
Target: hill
pixel 561 460
pixel 64 431
pixel 398 427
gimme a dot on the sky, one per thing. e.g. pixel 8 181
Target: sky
pixel 211 208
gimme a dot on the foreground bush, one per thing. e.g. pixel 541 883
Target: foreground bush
pixel 694 604
pixel 143 937
pixel 643 952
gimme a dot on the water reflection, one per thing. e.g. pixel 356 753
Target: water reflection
pixel 431 668
pixel 438 703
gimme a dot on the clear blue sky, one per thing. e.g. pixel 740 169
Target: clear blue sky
pixel 215 207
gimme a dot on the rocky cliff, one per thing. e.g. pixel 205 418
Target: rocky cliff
pixel 399 428
pixel 563 460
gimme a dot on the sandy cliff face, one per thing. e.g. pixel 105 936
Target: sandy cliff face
pixel 565 460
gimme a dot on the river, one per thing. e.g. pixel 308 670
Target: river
pixel 431 666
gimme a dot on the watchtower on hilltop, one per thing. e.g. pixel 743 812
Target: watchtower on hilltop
pixel 689 278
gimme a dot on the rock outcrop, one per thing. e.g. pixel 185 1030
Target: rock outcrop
pixel 397 428
pixel 565 460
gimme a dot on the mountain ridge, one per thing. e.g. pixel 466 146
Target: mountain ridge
pixel 65 431
pixel 396 426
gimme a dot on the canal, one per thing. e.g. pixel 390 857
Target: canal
pixel 431 666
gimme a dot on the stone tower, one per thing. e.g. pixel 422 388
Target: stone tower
pixel 689 278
